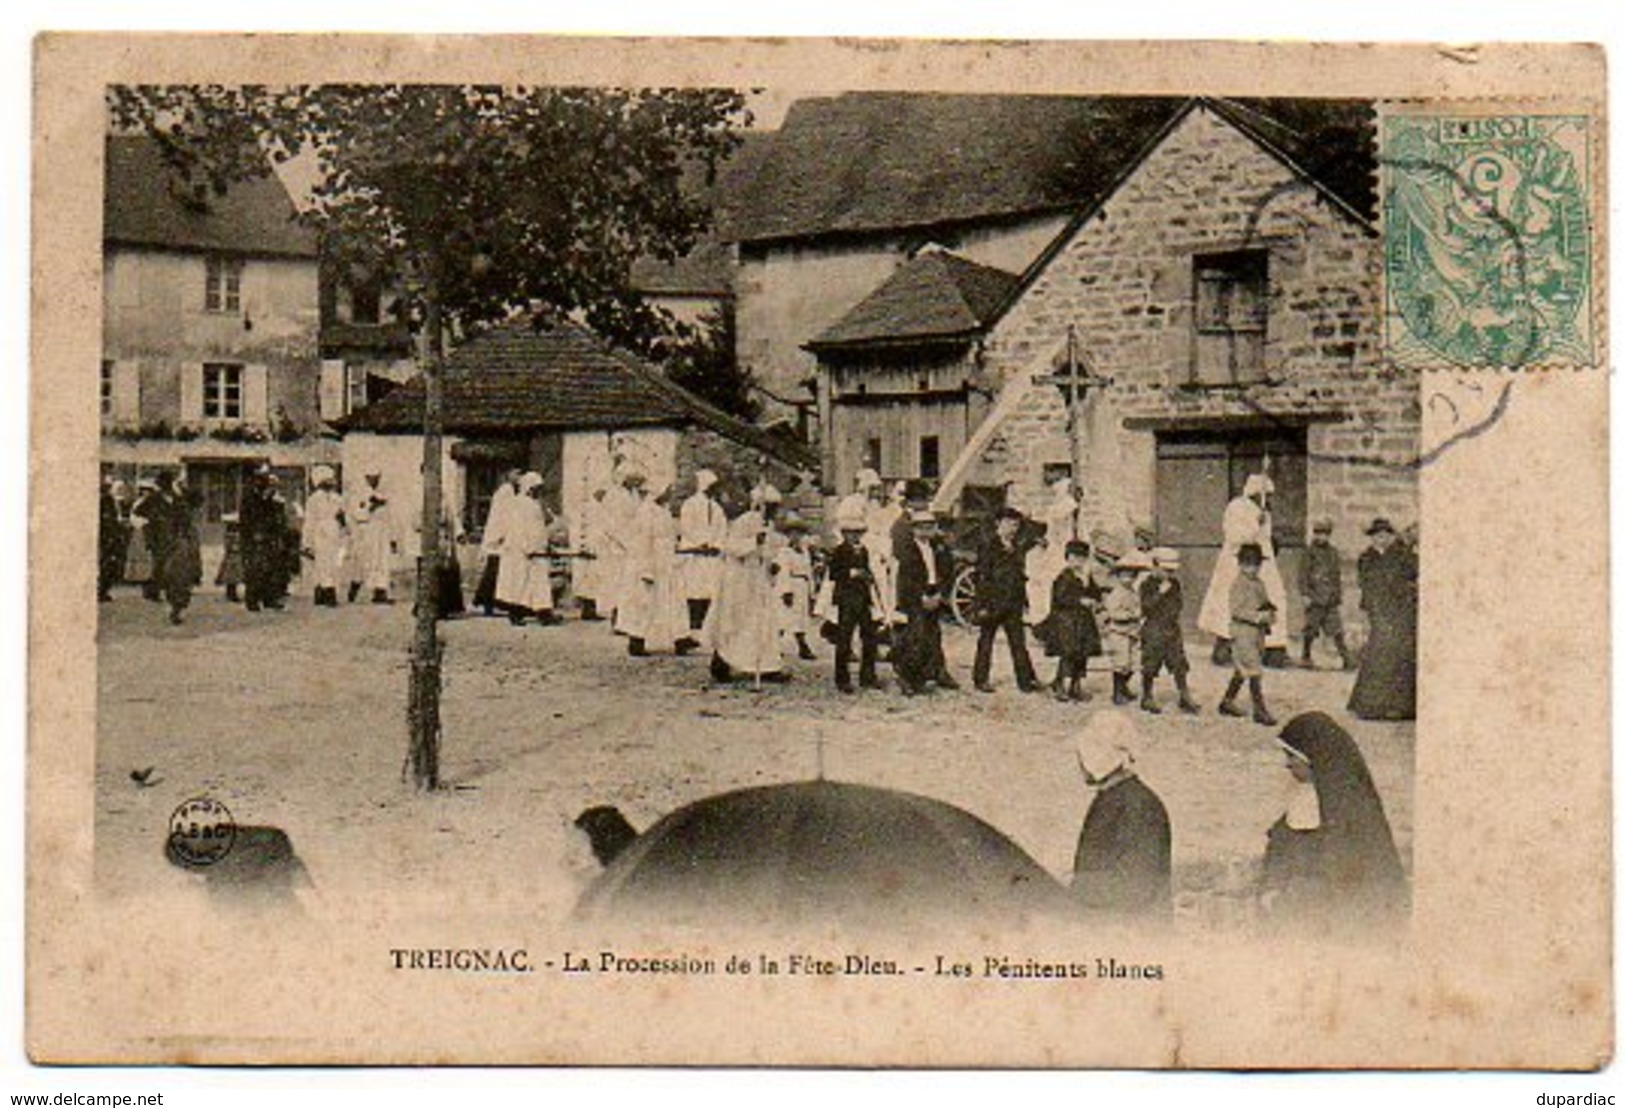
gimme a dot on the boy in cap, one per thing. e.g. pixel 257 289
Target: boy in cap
pixel 1322 583
pixel 854 589
pixel 1069 631
pixel 1251 614
pixel 1121 633
pixel 1162 643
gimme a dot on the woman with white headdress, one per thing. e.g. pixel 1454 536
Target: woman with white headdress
pixel 1247 520
pixel 524 575
pixel 323 536
pixel 1124 862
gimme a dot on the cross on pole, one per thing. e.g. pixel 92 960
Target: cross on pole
pixel 1074 377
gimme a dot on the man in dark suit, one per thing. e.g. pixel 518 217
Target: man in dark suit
pixel 924 576
pixel 854 592
pixel 1001 597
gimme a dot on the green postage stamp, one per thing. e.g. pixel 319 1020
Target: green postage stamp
pixel 1488 238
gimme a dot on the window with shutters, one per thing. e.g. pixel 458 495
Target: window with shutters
pixel 222 390
pixel 223 284
pixel 1232 307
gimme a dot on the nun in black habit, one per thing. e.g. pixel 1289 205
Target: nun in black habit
pixel 1330 860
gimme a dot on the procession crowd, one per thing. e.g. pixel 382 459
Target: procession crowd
pixel 731 572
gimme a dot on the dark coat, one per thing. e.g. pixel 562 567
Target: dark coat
pixel 1386 686
pixel 913 586
pixel 181 567
pixel 1070 631
pixel 1160 609
pixel 1001 581
pixel 849 571
pixel 158 509
pixel 1322 576
pixel 1124 861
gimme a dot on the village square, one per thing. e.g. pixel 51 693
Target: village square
pixel 1019 453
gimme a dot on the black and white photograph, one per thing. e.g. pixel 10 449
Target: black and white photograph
pixel 615 537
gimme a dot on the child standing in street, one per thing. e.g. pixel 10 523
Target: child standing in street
pixel 1162 643
pixel 1122 630
pixel 1069 631
pixel 1322 583
pixel 1251 615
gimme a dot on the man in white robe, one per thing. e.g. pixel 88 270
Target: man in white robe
pixel 374 543
pixel 323 536
pixel 742 628
pixel 525 572
pixel 588 577
pixel 1246 520
pixel 702 528
pixel 502 498
pixel 653 616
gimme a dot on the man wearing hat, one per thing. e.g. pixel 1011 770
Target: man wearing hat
pixel 1388 576
pixel 1123 867
pixel 113 539
pixel 702 528
pixel 322 539
pixel 924 575
pixel 1001 598
pixel 1162 642
pixel 853 591
pixel 1322 582
pixel 263 525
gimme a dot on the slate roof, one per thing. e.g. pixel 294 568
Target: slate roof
pixel 934 295
pixel 864 162
pixel 145 204
pixel 867 161
pixel 519 378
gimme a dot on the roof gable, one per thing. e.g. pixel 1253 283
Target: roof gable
pixel 934 295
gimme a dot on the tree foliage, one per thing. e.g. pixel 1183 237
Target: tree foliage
pixel 704 362
pixel 500 196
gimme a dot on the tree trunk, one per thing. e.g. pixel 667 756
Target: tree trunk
pixel 423 697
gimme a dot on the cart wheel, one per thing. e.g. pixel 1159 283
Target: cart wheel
pixel 963 597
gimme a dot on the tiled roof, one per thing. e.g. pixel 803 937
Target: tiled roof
pixel 561 377
pixel 934 295
pixel 144 203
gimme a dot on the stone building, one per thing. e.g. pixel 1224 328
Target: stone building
pixel 209 333
pixel 1226 294
pixel 824 209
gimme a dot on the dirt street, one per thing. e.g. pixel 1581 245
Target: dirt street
pixel 295 719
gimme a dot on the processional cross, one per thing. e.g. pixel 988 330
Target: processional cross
pixel 1074 377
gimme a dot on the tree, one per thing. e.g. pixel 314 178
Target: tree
pixel 705 363
pixel 484 200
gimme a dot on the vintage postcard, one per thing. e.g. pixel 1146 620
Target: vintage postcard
pixel 819 552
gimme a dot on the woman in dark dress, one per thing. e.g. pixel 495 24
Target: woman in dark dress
pixel 1386 686
pixel 1330 860
pixel 1069 632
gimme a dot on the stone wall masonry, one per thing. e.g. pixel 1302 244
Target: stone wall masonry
pixel 1125 281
